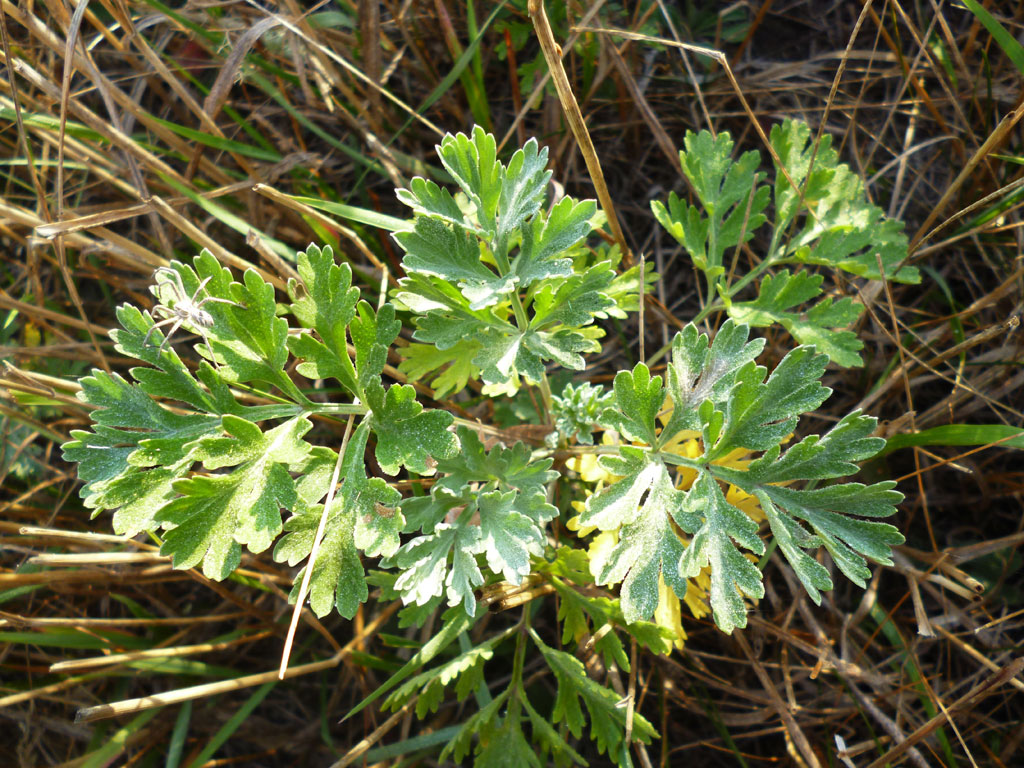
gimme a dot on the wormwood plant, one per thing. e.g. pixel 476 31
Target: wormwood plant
pixel 697 471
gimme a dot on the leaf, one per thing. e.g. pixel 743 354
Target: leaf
pixel 506 468
pixel 436 249
pixel 170 378
pixel 523 183
pixel 473 163
pixel 247 335
pixel 841 229
pixel 406 434
pixel 454 623
pixel 491 503
pixel 462 667
pixel 607 719
pixel 719 393
pixel 813 327
pixel 575 301
pixel 324 301
pixel 426 574
pixel 712 545
pixel 705 371
pixel 728 193
pixel 546 238
pixel 507 746
pixel 577 410
pixel 363 516
pixel 455 364
pixel 825 509
pixel 639 398
pixel 216 514
pixel 372 334
pixel 132 432
pixel 338 580
pixel 426 197
pixel 508 536
pixel 759 413
pixel 466 279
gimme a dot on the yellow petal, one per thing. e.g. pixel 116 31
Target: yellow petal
pixel 668 613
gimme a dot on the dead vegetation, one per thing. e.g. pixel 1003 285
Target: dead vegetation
pixel 135 133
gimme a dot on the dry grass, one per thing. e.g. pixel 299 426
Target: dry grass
pixel 134 134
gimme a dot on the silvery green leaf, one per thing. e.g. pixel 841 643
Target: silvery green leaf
pixel 473 163
pixel 701 371
pixel 436 249
pixel 714 545
pixel 546 238
pixel 607 719
pixel 324 301
pixel 215 515
pixel 648 546
pixel 822 326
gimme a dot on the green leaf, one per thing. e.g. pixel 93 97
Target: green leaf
pixel 491 503
pixel 639 399
pixel 505 468
pixel 463 667
pixel 816 326
pixel 546 238
pixel 406 434
pixel 426 197
pixel 759 413
pixel 473 163
pixel 248 338
pixel 1013 49
pixel 729 194
pixel 455 364
pixel 996 435
pixel 509 537
pixel 841 228
pixel 426 573
pixel 170 378
pixel 325 302
pixel 575 301
pixel 455 622
pixel 577 410
pixel 434 248
pixel 131 432
pixel 827 509
pixel 363 516
pixel 642 507
pixel 607 718
pixel 523 183
pixel 215 514
pixel 712 545
pixel 506 746
pixel 719 393
pixel 705 371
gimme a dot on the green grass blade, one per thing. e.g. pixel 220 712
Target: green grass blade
pixel 105 755
pixel 999 435
pixel 178 736
pixel 1006 41
pixel 233 724
pixel 353 213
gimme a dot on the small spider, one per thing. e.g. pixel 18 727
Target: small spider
pixel 183 308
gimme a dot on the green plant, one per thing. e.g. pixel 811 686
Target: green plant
pixel 821 217
pixel 497 286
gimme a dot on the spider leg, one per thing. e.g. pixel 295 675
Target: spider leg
pixel 206 341
pixel 145 341
pixel 177 324
pixel 198 290
pixel 215 300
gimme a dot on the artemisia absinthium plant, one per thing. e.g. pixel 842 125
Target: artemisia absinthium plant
pixel 500 285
